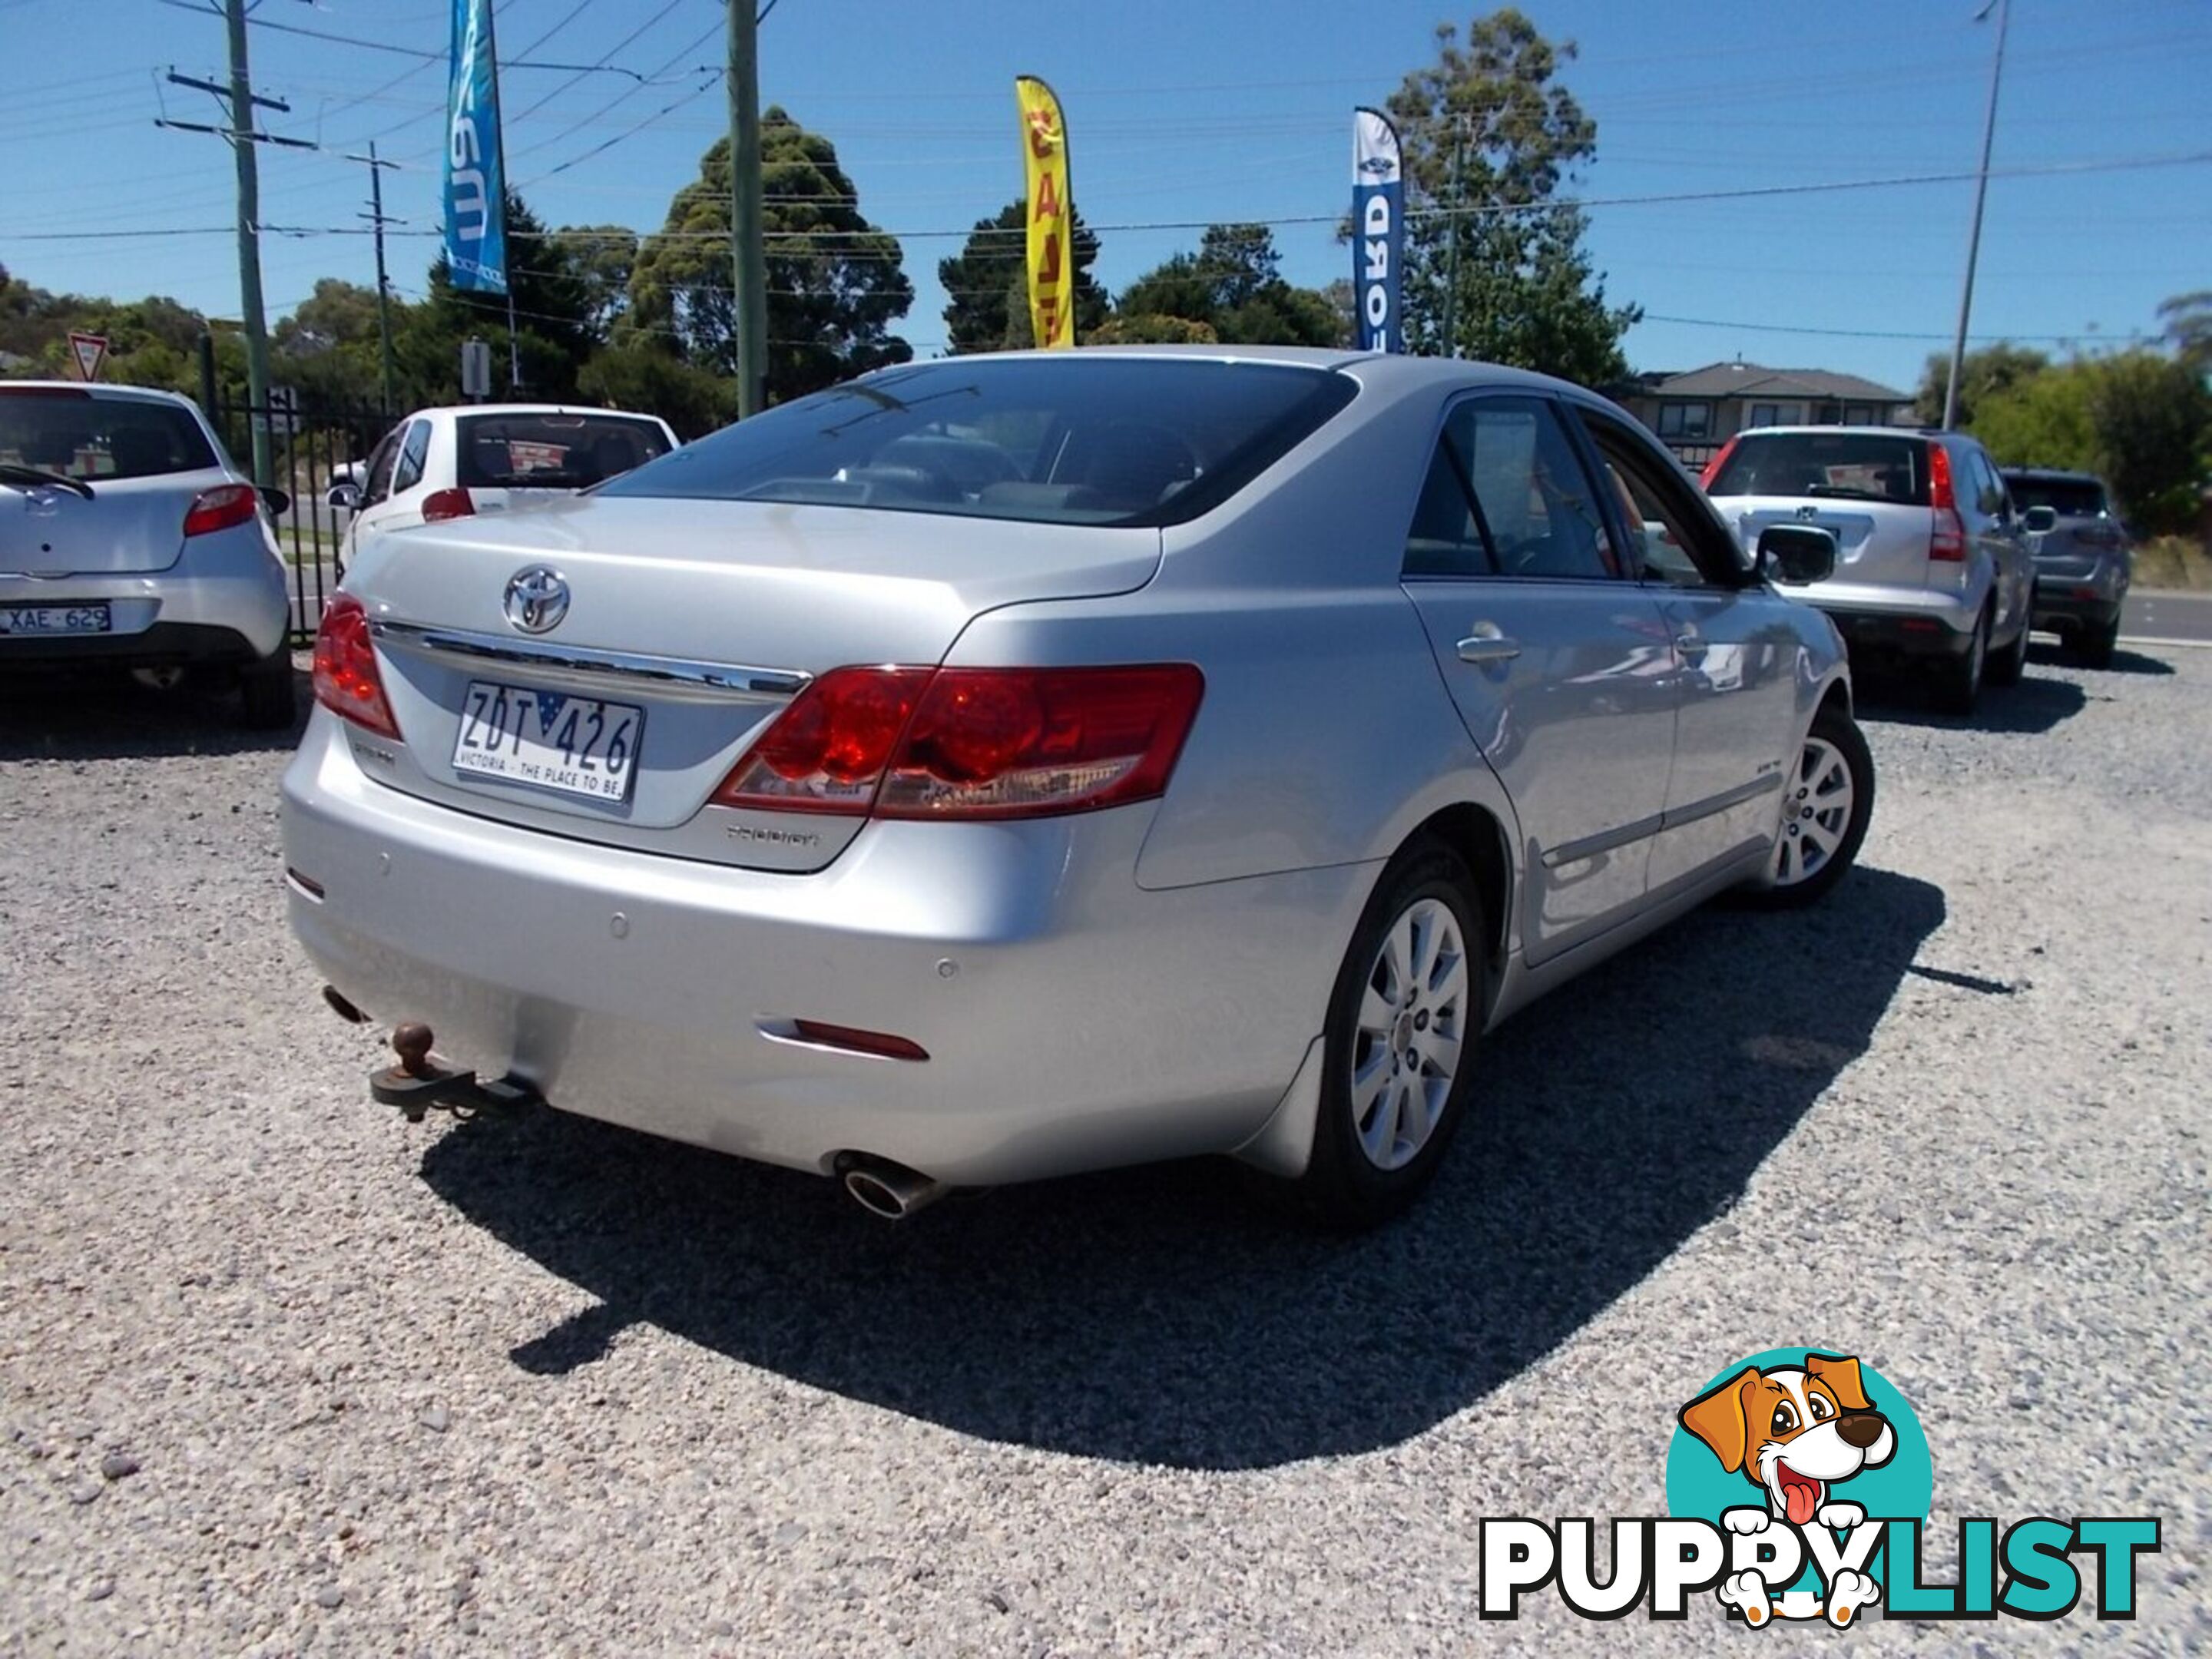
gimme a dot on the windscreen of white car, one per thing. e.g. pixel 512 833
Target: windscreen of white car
pixel 551 451
pixel 73 434
pixel 1066 439
pixel 1855 466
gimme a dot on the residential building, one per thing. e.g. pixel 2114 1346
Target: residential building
pixel 1695 413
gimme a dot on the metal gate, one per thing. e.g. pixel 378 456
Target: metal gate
pixel 313 447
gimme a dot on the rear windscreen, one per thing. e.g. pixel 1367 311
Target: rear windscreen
pixel 552 452
pixel 81 437
pixel 2069 498
pixel 1068 440
pixel 1858 466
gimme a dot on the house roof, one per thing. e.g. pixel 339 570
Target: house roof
pixel 1741 379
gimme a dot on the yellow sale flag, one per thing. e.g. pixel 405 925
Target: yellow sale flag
pixel 1051 216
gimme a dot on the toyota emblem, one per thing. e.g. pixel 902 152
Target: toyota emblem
pixel 537 600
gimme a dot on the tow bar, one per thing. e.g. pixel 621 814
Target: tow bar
pixel 419 1084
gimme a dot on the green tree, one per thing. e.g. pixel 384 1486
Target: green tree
pixel 599 258
pixel 1230 288
pixel 2038 419
pixel 1488 138
pixel 2188 321
pixel 835 282
pixel 986 284
pixel 2140 419
pixel 1983 374
pixel 645 374
pixel 551 308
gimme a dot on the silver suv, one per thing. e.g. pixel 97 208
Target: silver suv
pixel 129 539
pixel 1931 566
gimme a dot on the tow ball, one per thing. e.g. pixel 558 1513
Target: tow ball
pixel 419 1084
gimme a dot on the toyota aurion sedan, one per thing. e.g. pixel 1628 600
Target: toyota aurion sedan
pixel 1009 766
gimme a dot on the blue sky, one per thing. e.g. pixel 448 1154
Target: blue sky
pixel 1194 111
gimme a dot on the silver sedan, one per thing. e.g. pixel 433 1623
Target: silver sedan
pixel 1009 766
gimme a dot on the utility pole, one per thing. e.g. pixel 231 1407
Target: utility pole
pixel 1974 235
pixel 1451 264
pixel 377 221
pixel 240 97
pixel 748 248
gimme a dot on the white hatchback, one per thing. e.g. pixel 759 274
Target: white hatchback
pixel 441 463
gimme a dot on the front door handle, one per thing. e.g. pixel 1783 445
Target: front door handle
pixel 1486 642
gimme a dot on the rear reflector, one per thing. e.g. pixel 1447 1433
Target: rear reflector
pixel 1918 625
pixel 347 681
pixel 880 1044
pixel 971 743
pixel 441 505
pixel 221 508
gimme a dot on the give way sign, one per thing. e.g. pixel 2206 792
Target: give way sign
pixel 90 350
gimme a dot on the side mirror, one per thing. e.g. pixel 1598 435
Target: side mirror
pixel 1796 554
pixel 279 501
pixel 345 495
pixel 2041 520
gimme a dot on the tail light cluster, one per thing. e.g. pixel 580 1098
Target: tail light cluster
pixel 441 505
pixel 1713 467
pixel 1947 538
pixel 220 508
pixel 970 743
pixel 2097 535
pixel 347 681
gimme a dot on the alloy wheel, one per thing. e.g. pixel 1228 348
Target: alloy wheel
pixel 1816 813
pixel 1411 1032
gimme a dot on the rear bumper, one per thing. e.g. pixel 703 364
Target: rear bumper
pixel 1072 1019
pixel 225 601
pixel 1900 634
pixel 1909 622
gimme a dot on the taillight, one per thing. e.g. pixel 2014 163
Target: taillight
pixel 2097 535
pixel 1713 467
pixel 347 681
pixel 441 505
pixel 1947 537
pixel 971 743
pixel 221 508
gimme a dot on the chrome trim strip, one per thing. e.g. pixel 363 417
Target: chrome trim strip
pixel 1675 817
pixel 1589 847
pixel 579 659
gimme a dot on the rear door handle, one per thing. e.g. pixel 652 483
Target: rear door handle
pixel 1486 642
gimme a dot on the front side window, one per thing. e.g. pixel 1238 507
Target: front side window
pixel 66 431
pixel 380 461
pixel 1073 439
pixel 1507 495
pixel 1667 531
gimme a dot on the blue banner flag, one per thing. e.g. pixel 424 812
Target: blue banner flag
pixel 1379 231
pixel 476 173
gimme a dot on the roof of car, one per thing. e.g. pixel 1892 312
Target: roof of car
pixel 1386 367
pixel 523 409
pixel 1857 431
pixel 2052 475
pixel 105 392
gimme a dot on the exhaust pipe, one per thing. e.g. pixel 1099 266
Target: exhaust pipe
pixel 888 1189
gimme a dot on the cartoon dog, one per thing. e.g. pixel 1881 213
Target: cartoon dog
pixel 1794 1432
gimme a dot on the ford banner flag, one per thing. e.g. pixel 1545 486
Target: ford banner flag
pixel 1379 231
pixel 476 184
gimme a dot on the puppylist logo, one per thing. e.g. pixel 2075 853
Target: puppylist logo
pixel 1798 1487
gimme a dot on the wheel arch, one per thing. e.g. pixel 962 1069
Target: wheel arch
pixel 1474 832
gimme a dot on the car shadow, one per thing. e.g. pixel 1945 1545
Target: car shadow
pixel 2123 662
pixel 109 716
pixel 2035 705
pixel 1171 1315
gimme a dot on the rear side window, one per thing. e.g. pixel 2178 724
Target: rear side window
pixel 81 437
pixel 1507 495
pixel 2069 498
pixel 1071 439
pixel 551 451
pixel 413 453
pixel 1863 466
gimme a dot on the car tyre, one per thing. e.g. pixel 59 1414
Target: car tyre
pixel 2006 668
pixel 268 696
pixel 2093 647
pixel 1404 1022
pixel 1827 803
pixel 1958 681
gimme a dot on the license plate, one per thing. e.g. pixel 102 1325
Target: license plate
pixel 55 619
pixel 577 745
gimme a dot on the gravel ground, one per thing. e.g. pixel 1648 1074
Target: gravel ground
pixel 279 1374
